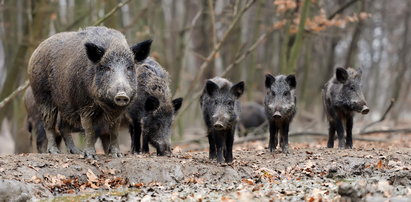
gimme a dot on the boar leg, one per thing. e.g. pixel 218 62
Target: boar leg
pixel 221 145
pixel 284 137
pixel 229 147
pixel 68 140
pixel 89 150
pixel 114 148
pixel 340 132
pixel 331 134
pixel 146 140
pixel 212 152
pixel 273 136
pixel 135 132
pixel 41 139
pixel 349 126
pixel 50 117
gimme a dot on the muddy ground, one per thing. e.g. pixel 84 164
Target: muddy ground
pixel 370 172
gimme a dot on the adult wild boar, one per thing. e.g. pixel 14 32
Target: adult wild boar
pixel 221 109
pixel 342 96
pixel 153 109
pixel 88 77
pixel 280 108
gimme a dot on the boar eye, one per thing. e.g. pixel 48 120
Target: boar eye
pixel 352 88
pixel 230 102
pixel 286 93
pixel 272 93
pixel 130 68
pixel 215 102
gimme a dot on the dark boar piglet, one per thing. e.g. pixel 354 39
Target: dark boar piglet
pixel 153 110
pixel 221 109
pixel 252 116
pixel 87 78
pixel 280 108
pixel 342 96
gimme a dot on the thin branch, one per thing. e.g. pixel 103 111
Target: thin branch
pixel 229 67
pixel 109 14
pixel 212 14
pixel 14 94
pixel 217 48
pixel 382 117
pixel 342 8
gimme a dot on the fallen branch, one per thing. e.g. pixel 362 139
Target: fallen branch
pixel 381 119
pixel 402 130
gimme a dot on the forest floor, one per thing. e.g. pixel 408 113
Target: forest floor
pixel 370 172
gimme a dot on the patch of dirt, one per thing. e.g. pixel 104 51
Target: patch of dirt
pixel 371 171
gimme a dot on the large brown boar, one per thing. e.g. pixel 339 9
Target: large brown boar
pixel 88 77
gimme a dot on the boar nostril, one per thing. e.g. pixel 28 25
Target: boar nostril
pixel 365 110
pixel 218 125
pixel 277 115
pixel 121 99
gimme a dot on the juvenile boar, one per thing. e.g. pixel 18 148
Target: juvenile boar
pixel 221 109
pixel 280 108
pixel 88 77
pixel 342 96
pixel 153 109
pixel 34 123
pixel 252 115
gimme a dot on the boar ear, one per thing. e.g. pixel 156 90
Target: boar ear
pixel 211 87
pixel 341 74
pixel 177 104
pixel 291 80
pixel 141 50
pixel 152 103
pixel 269 80
pixel 94 52
pixel 238 89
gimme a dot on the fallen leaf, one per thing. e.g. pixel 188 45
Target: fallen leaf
pixel 91 176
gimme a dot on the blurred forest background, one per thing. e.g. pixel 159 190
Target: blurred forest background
pixel 241 40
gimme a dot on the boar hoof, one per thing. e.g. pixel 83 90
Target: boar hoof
pixel 330 144
pixel 74 150
pixel 212 155
pixel 347 146
pixel 115 152
pixel 285 150
pixel 53 150
pixel 90 153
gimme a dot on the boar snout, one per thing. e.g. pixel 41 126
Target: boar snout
pixel 277 115
pixel 365 110
pixel 219 125
pixel 163 149
pixel 121 99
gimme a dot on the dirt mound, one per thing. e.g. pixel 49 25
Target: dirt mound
pixel 306 173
